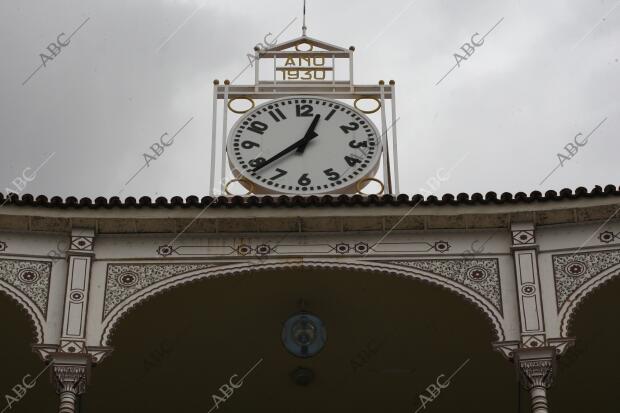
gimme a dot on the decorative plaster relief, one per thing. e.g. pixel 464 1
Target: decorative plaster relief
pixel 306 249
pixel 481 275
pixel 31 278
pixel 124 280
pixel 571 271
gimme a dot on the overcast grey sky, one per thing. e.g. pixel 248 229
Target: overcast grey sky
pixel 137 69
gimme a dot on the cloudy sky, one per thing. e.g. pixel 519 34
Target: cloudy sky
pixel 136 69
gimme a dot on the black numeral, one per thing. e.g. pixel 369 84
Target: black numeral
pixel 303 110
pixel 350 127
pixel 351 160
pixel 304 180
pixel 331 174
pixel 258 127
pixel 255 163
pixel 329 116
pixel 277 115
pixel 249 144
pixel 354 144
pixel 281 173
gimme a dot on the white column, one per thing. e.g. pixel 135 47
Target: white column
pixel 535 356
pixel 70 374
pixel 213 139
pixel 536 368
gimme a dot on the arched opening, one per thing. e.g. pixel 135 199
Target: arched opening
pixel 388 339
pixel 588 374
pixel 20 364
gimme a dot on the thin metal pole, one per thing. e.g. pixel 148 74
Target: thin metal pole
pixel 351 50
pixel 394 137
pixel 224 130
pixel 334 72
pixel 213 138
pixel 384 140
pixel 256 69
pixel 303 27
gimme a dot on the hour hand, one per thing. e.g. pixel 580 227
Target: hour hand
pixel 301 148
pixel 310 134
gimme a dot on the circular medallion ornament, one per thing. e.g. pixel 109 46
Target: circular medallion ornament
pixel 304 145
pixel 477 274
pixel 244 249
pixel 575 268
pixel 127 279
pixel 76 296
pixel 164 250
pixel 304 335
pixel 263 249
pixel 442 246
pixel 528 289
pixel 606 237
pixel 361 248
pixel 342 248
pixel 28 275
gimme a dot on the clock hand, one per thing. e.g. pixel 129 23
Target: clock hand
pixel 287 150
pixel 301 148
pixel 310 134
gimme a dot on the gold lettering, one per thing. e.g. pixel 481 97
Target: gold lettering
pixel 292 74
pixel 321 59
pixel 289 61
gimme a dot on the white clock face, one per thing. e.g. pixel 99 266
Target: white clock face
pixel 303 145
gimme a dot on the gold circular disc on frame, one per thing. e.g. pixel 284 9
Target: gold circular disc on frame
pixel 241 98
pixel 367 111
pixel 308 50
pixel 240 180
pixel 359 185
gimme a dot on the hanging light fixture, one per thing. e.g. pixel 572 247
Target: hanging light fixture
pixel 304 334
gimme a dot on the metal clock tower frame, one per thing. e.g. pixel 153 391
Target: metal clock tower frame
pixel 307 79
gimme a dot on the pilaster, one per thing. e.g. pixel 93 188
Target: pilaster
pixel 525 253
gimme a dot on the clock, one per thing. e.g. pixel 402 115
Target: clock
pixel 302 145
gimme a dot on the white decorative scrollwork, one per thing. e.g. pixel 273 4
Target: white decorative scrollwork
pixel 28 283
pixel 481 275
pixel 577 275
pixel 124 280
pixel 571 271
pixel 158 278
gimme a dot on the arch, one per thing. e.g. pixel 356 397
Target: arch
pixel 568 310
pixel 469 295
pixel 34 314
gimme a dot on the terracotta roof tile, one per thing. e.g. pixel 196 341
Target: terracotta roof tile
pixel 285 201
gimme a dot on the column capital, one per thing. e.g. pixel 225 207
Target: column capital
pixel 70 373
pixel 536 366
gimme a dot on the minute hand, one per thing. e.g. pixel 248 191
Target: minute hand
pixel 310 134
